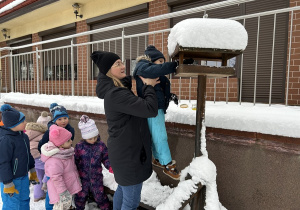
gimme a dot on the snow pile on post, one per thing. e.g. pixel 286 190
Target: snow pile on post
pixel 201 169
pixel 208 33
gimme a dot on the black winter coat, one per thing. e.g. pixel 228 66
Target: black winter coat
pixel 15 159
pixel 45 137
pixel 129 142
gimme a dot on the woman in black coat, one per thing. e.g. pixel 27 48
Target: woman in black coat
pixel 129 142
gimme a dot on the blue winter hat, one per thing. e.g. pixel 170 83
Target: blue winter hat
pixel 11 117
pixel 58 111
pixel 153 53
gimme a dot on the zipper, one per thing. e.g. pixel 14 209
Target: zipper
pixel 27 152
pixel 15 166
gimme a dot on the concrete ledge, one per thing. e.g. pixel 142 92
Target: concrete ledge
pixel 189 130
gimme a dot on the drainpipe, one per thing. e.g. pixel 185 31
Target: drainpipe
pixel 72 66
pixel 11 73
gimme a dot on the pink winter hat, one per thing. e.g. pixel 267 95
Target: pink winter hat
pixel 58 135
pixel 87 127
pixel 44 118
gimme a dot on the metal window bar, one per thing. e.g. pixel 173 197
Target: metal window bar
pixel 37 71
pixel 289 60
pixel 52 76
pixel 54 72
pixel 87 72
pixel 256 60
pixel 227 88
pixel 215 90
pixel 59 69
pixel 272 62
pixel 241 77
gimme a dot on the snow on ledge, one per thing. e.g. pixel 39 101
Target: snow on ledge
pixel 208 33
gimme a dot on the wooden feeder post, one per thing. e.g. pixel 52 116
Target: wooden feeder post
pixel 202 72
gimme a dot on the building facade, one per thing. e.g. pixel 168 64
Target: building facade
pixel 269 65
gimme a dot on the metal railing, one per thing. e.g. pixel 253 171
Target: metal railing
pixel 60 71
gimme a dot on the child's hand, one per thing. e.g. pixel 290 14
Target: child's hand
pixel 174 98
pixel 65 197
pixel 148 81
pixel 33 178
pixel 10 189
pixel 44 187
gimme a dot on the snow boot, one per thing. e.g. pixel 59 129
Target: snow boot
pixel 171 171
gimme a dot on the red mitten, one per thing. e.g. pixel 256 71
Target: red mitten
pixel 110 170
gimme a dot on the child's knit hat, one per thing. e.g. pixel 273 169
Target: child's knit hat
pixel 11 117
pixel 44 118
pixel 153 53
pixel 58 135
pixel 58 111
pixel 87 127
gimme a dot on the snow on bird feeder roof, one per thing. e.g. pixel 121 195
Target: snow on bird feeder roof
pixel 208 33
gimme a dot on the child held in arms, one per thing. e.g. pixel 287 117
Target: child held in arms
pixel 153 65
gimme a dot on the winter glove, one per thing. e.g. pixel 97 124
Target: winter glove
pixel 65 197
pixel 110 170
pixel 174 98
pixel 33 177
pixel 44 187
pixel 188 61
pixel 10 189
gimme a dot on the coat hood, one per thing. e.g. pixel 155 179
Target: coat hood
pixel 143 57
pixel 36 127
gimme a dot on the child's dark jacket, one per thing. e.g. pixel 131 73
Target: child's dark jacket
pixel 15 158
pixel 147 69
pixel 88 159
pixel 45 137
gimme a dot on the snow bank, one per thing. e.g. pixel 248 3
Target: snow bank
pixel 274 120
pixel 208 33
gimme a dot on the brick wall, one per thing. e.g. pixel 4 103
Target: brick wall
pixel 158 7
pixel 5 63
pixel 294 74
pixel 83 62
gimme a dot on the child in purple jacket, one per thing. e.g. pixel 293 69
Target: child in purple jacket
pixel 90 153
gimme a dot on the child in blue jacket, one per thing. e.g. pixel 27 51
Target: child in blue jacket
pixel 152 65
pixel 60 118
pixel 15 160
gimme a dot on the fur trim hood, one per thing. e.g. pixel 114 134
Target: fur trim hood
pixel 143 57
pixel 36 127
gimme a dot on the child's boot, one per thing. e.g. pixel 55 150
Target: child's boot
pixel 155 162
pixel 171 171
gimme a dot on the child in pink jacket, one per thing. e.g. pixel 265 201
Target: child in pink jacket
pixel 58 155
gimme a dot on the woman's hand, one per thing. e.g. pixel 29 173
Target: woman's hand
pixel 148 81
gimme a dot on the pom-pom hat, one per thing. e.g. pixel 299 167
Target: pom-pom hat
pixel 11 117
pixel 58 111
pixel 44 118
pixel 104 60
pixel 153 53
pixel 87 127
pixel 58 135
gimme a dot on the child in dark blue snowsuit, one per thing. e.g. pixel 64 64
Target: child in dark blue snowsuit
pixel 60 118
pixel 15 161
pixel 90 154
pixel 152 65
